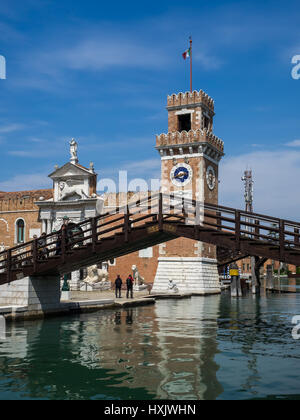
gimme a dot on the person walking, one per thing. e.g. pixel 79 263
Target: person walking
pixel 118 284
pixel 129 284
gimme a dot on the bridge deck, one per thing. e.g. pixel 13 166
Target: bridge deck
pixel 148 222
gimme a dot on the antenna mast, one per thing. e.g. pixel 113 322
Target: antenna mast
pixel 248 181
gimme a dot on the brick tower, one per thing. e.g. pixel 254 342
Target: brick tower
pixel 190 155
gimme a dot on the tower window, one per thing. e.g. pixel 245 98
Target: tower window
pixel 206 122
pixel 20 231
pixel 184 122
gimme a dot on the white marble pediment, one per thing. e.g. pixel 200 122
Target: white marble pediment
pixel 70 170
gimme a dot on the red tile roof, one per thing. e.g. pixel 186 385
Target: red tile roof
pixel 36 194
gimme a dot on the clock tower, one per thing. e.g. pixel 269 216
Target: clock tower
pixel 190 155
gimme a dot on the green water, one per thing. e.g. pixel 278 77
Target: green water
pixel 200 348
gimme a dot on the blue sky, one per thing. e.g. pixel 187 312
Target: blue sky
pixel 101 71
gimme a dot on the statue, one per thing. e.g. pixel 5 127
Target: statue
pixel 73 151
pixel 96 279
pixel 172 287
pixel 66 190
pixel 95 275
pixel 138 280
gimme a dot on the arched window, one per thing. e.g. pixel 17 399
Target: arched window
pixel 20 231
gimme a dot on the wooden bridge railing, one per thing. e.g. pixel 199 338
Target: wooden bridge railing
pixel 258 230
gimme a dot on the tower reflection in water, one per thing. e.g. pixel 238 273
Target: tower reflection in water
pixel 164 351
pixel 168 349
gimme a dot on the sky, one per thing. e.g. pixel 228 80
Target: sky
pixel 100 72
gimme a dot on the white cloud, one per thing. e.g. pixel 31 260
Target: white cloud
pixel 295 143
pixel 276 182
pixel 10 128
pixel 26 182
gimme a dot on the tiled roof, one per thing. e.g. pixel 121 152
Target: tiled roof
pixel 47 194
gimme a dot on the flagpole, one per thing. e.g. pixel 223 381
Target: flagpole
pixel 191 64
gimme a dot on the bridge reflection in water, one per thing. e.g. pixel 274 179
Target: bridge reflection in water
pixel 203 348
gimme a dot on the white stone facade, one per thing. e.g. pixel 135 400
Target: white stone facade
pixel 191 275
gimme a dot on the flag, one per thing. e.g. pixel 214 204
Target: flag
pixel 186 54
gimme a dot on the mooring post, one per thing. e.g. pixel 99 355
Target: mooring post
pixel 255 274
pixel 2 328
pixel 270 276
pixel 236 290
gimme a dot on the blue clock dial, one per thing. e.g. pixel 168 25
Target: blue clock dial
pixel 181 174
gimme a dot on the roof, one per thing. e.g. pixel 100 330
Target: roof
pixel 58 171
pixel 36 194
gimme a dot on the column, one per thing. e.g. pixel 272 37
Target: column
pixel 75 280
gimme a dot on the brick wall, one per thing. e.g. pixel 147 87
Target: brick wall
pixel 19 205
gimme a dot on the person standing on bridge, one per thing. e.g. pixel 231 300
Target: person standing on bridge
pixel 129 284
pixel 118 284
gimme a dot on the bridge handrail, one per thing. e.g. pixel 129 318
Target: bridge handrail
pixel 163 207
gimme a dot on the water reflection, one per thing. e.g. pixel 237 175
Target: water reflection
pixel 199 348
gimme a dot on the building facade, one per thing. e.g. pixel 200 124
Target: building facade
pixel 190 154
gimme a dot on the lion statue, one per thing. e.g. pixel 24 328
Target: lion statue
pixel 95 275
pixel 66 190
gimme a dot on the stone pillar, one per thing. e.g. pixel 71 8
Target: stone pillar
pixel 44 226
pixel 75 280
pixel 191 274
pixel 39 294
pixel 49 227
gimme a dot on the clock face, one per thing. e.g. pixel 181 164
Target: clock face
pixel 181 174
pixel 211 178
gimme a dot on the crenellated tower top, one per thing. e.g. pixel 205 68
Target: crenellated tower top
pixel 190 127
pixel 191 99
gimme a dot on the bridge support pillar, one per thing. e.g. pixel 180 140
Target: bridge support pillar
pixel 191 274
pixel 37 294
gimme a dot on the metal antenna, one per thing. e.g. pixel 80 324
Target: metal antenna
pixel 248 181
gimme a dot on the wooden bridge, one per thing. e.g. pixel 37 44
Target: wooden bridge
pixel 156 219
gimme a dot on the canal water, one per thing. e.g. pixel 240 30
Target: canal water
pixel 200 348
